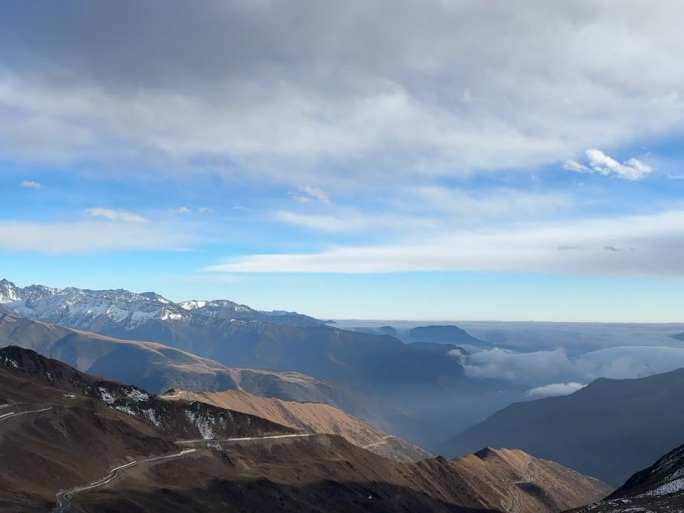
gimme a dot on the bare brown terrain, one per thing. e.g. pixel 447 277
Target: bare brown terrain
pixel 72 442
pixel 326 473
pixel 310 417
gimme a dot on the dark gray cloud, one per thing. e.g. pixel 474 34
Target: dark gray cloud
pixel 406 88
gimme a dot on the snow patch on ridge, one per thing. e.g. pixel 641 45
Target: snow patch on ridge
pixel 106 396
pixel 202 423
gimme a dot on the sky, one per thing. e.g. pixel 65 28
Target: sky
pixel 424 160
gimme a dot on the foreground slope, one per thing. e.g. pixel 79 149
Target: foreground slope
pixel 60 428
pixel 325 473
pixel 609 429
pixel 310 417
pixel 659 488
pixel 141 453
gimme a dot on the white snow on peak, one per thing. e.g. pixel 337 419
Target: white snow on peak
pixel 193 304
pixel 168 315
pixel 8 292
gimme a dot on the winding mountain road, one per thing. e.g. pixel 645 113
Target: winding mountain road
pixel 64 496
pixel 245 438
pixel 515 493
pixel 384 441
pixel 6 416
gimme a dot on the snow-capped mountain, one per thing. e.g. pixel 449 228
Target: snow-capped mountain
pixel 97 309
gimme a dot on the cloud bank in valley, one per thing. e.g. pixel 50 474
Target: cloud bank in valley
pixel 554 389
pixel 542 367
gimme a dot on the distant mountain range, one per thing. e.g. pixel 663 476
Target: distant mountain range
pixel 103 311
pixel 609 429
pixel 72 439
pixel 427 390
pixel 158 368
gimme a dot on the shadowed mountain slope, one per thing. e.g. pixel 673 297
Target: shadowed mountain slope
pixel 609 429
pixel 658 488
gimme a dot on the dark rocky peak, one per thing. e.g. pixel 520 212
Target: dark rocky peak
pixel 29 362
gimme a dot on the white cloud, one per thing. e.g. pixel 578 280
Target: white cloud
pixel 345 220
pixel 554 389
pixel 30 184
pixel 527 367
pixel 572 165
pixel 116 215
pixel 599 162
pixel 629 362
pixel 651 246
pixel 182 210
pixel 309 194
pixel 90 236
pixel 498 203
pixel 427 210
pixel 621 362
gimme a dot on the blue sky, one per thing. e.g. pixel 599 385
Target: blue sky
pixel 396 160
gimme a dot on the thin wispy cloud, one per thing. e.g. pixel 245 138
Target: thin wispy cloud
pixel 115 215
pixel 30 184
pixel 654 242
pixel 90 237
pixel 310 194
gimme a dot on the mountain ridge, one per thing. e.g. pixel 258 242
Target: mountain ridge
pixel 589 429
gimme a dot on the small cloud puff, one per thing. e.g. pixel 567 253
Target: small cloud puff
pixel 599 162
pixel 30 184
pixel 201 210
pixel 116 215
pixel 554 389
pixel 310 194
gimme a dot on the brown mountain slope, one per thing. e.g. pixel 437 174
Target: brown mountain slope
pixel 310 417
pixel 326 473
pixel 533 485
pixel 157 368
pixel 60 428
pixel 93 440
